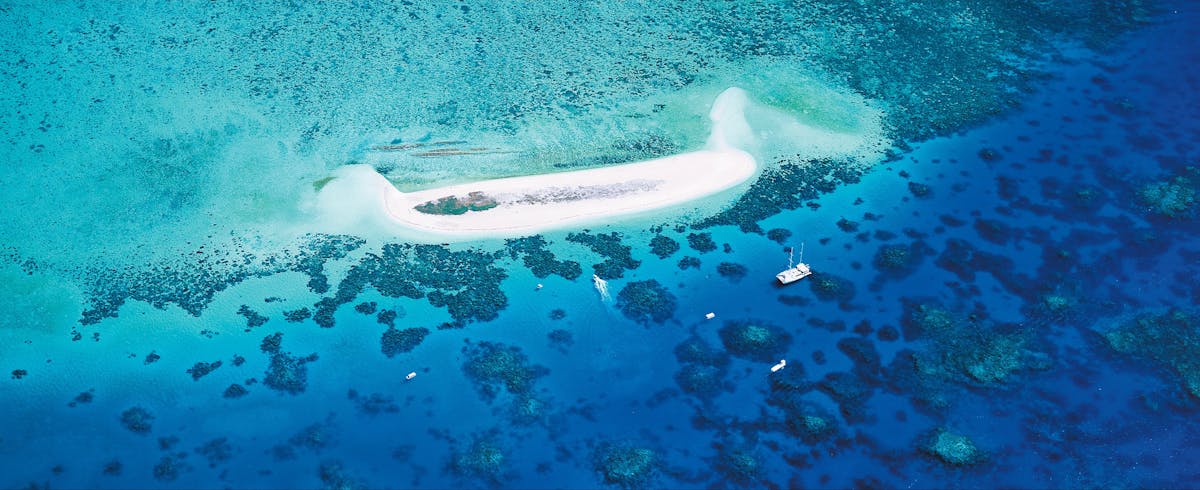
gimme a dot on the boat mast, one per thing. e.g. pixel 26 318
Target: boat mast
pixel 790 250
pixel 801 252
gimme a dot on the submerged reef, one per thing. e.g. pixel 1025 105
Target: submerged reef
pixel 216 451
pixel 732 271
pixel 618 257
pixel 191 285
pixel 739 464
pixel 967 350
pixel 202 369
pixel 335 477
pixel 399 341
pixel 952 448
pixel 830 287
pixel 483 460
pixel 625 464
pixel 782 187
pixel 663 246
pixel 701 242
pixel 137 419
pixel 373 404
pixel 755 340
pixel 702 371
pixel 491 366
pixel 894 261
pixel 466 283
pixel 285 373
pixel 646 302
pixel 1175 198
pixel 1170 340
pixel 541 261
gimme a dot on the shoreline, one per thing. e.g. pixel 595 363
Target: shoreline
pixel 547 201
pixel 513 206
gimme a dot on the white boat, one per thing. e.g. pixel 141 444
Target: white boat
pixel 796 272
pixel 782 364
pixel 601 287
pixel 410 376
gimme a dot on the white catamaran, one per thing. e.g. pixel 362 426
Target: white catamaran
pixel 797 272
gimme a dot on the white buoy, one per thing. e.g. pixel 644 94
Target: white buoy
pixel 777 367
pixel 410 376
pixel 710 316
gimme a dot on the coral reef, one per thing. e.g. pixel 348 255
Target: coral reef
pixel 952 448
pixel 755 340
pixel 779 235
pixel 1172 199
pixel 201 369
pixel 235 391
pixel 830 287
pixel 334 477
pixel 216 451
pixel 396 341
pixel 646 302
pixel 783 187
pixel 1170 340
pixel 285 373
pixel 373 404
pixel 689 263
pixel 617 257
pixel 491 365
pixel 483 460
pixel 663 246
pixel 366 307
pixel 733 272
pixel 561 340
pixel 253 318
pixel 466 282
pixel 541 261
pixel 169 467
pixel 137 419
pixel 297 316
pixel 739 464
pixel 894 261
pixel 625 464
pixel 701 242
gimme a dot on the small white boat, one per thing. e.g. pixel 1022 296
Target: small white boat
pixel 601 287
pixel 796 272
pixel 410 376
pixel 777 367
pixel 710 316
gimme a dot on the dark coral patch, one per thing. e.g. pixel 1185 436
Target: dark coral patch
pixel 396 341
pixel 646 302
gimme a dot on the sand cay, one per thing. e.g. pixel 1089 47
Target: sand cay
pixel 519 205
pixel 531 203
pixel 536 202
pixel 360 201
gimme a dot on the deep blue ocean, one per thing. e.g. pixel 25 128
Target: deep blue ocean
pixel 1006 298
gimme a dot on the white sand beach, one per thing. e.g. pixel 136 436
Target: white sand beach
pixel 536 202
pixel 361 201
pixel 519 205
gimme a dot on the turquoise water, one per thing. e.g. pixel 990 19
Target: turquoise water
pixel 1005 250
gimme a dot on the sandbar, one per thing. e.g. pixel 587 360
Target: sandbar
pixel 537 202
pixel 516 205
